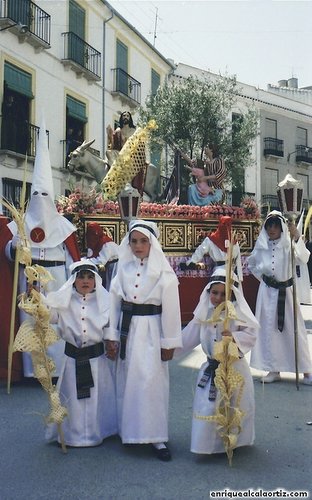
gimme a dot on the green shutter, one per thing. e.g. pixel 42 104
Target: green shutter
pixel 122 56
pixel 76 109
pixel 122 83
pixel 155 77
pixel 17 80
pixel 77 18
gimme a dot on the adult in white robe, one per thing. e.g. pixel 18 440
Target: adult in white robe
pixel 274 349
pixel 143 377
pixel 82 322
pixel 51 238
pixel 205 438
pixel 215 245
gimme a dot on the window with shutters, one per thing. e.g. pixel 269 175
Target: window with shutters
pixel 17 96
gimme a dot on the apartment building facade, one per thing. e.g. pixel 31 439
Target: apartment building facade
pixel 80 64
pixel 284 142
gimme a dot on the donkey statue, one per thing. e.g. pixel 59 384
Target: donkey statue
pixel 84 159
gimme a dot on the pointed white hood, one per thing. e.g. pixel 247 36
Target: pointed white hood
pixel 45 227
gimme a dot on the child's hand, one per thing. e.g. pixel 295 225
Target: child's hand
pixel 111 349
pixel 293 231
pixel 166 354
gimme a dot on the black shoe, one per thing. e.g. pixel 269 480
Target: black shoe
pixel 163 454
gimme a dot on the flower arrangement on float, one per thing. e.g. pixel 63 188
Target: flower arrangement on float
pixel 92 203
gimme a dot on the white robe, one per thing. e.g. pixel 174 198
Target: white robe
pixel 274 350
pixel 90 420
pixel 205 438
pixel 208 247
pixel 142 377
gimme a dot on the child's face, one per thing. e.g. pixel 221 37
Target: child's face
pixel 217 294
pixel 139 244
pixel 274 231
pixel 85 282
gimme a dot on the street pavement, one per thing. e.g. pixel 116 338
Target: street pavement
pixel 280 459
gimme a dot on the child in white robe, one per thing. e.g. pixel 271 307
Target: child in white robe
pixel 86 386
pixel 145 310
pixel 205 437
pixel 270 263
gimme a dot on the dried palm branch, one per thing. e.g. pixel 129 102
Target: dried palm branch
pixel 23 256
pixel 35 336
pixel 130 161
pixel 228 381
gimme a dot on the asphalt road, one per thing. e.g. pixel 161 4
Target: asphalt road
pixel 279 460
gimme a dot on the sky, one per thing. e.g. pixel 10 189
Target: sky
pixel 259 41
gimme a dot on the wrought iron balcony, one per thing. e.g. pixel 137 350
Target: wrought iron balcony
pixel 81 57
pixel 273 147
pixel 27 21
pixel 126 86
pixel 303 154
pixel 20 138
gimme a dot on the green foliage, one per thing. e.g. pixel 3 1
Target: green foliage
pixel 193 113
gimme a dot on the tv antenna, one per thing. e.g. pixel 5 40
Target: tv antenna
pixel 155 27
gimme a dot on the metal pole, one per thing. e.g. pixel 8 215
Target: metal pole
pixel 293 268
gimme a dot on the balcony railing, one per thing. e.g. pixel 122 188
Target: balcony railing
pixel 303 154
pixel 83 58
pixel 269 202
pixel 273 147
pixel 23 141
pixel 126 85
pixel 26 19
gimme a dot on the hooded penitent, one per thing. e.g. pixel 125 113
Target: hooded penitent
pixel 222 233
pixel 45 227
pixel 95 239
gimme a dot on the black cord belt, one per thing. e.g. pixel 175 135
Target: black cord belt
pixel 281 287
pixel 48 263
pixel 129 309
pixel 82 355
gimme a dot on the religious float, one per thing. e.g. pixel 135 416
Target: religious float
pixel 182 228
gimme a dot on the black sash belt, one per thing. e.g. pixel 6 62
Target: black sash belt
pixel 82 355
pixel 210 373
pixel 129 309
pixel 48 263
pixel 281 287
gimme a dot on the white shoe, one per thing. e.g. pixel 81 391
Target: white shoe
pixel 271 377
pixel 307 380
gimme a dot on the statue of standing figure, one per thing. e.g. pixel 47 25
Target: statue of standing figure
pixel 146 181
pixel 117 138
